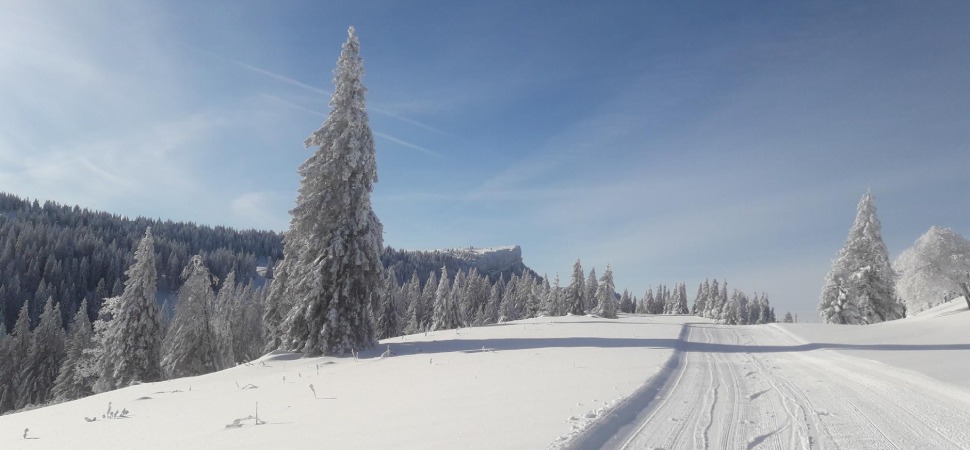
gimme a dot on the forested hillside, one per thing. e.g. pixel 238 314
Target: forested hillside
pixel 71 254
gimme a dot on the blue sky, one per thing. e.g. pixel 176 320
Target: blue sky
pixel 674 140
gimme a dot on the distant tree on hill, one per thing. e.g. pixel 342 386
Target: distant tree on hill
pixel 576 292
pixel 606 304
pixel 860 287
pixel 627 304
pixel 132 337
pixel 445 310
pixel 15 352
pixel 72 381
pixel 788 318
pixel 592 287
pixel 414 318
pixel 39 370
pixel 191 346
pixel 388 322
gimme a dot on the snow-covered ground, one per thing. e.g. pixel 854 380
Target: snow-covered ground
pixel 572 382
pixel 811 386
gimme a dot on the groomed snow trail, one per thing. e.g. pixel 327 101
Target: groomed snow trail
pixel 757 387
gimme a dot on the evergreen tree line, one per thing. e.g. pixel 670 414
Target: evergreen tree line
pixel 712 302
pixel 465 299
pixel 406 262
pixel 131 341
pixel 73 255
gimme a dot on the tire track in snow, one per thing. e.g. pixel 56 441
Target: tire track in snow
pixel 750 393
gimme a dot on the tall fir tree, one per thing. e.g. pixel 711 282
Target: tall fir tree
pixel 606 304
pixel 445 312
pixel 627 303
pixel 862 274
pixel 428 295
pixel 414 318
pixel 44 358
pixel 491 312
pixel 132 339
pixel 226 318
pixel 191 346
pixel 553 303
pixel 576 292
pixel 73 381
pixel 339 266
pixel 388 322
pixel 279 301
pixel 592 287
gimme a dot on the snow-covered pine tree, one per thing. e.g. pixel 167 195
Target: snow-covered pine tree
pixel 17 346
pixel 476 295
pixel 710 305
pixel 553 303
pixel 592 288
pixel 576 292
pixel 224 317
pixel 72 382
pixel 445 313
pixel 248 339
pixel 414 318
pixel 525 295
pixel 508 308
pixel 132 339
pixel 533 303
pixel 721 303
pixel 788 318
pixel 340 265
pixel 39 370
pixel 681 299
pixel 491 312
pixel 458 293
pixel 626 302
pixel 191 346
pixel 278 300
pixel 428 294
pixel 861 272
pixel 700 301
pixel 606 304
pixel 388 323
pixel 650 303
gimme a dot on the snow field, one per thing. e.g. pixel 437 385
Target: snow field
pixel 935 343
pixel 564 382
pixel 525 384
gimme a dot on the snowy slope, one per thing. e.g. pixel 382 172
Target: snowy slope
pixel 517 385
pixel 935 343
pixel 564 382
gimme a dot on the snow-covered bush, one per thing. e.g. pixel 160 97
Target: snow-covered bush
pixel 931 270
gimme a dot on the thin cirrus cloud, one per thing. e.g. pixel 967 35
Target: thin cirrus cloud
pixel 291 81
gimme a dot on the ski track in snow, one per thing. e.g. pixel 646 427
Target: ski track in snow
pixel 738 387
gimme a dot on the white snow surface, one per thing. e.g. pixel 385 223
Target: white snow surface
pixel 562 382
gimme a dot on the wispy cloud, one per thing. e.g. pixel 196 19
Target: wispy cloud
pixel 393 115
pixel 393 139
pixel 406 144
pixel 293 82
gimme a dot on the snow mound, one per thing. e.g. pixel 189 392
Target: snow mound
pixel 955 306
pixel 935 343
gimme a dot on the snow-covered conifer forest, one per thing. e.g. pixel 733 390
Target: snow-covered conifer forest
pixel 118 333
